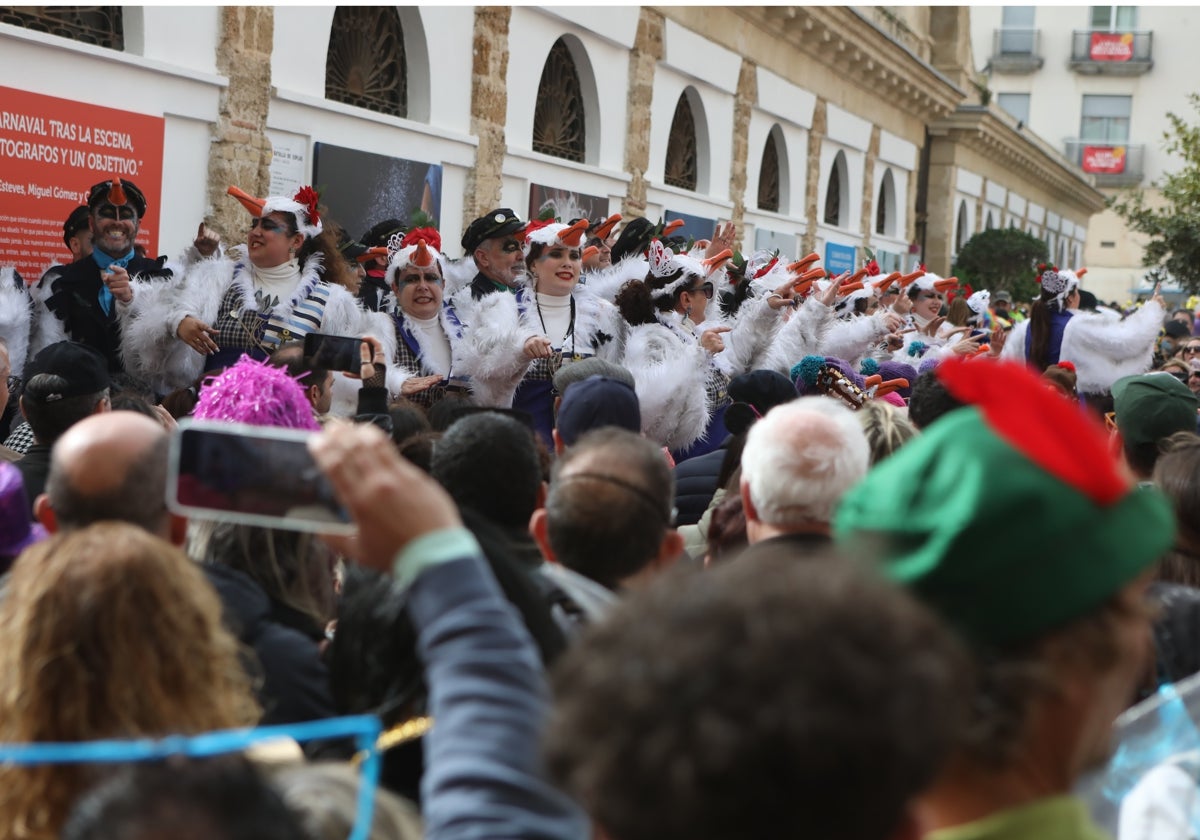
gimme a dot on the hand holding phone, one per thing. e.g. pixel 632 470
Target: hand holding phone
pixel 333 352
pixel 253 475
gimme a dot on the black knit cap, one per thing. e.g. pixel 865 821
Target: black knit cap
pixel 98 194
pixel 77 221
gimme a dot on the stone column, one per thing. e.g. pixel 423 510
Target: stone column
pixel 745 99
pixel 812 179
pixel 240 154
pixel 643 59
pixel 489 110
pixel 869 196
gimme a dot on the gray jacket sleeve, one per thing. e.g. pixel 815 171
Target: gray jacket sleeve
pixel 488 698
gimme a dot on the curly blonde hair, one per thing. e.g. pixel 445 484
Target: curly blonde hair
pixel 109 633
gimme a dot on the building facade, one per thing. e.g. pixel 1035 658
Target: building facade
pixel 1096 82
pixel 835 129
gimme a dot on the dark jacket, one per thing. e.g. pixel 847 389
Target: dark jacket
pixel 291 681
pixel 34 467
pixel 74 298
pixel 695 484
pixel 1176 631
pixel 482 286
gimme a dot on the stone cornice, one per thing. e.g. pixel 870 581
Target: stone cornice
pixel 859 51
pixel 977 128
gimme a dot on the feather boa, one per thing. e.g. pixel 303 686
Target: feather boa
pixel 608 282
pixel 1104 351
pixel 670 374
pixel 491 346
pixel 594 316
pixel 458 274
pixel 16 320
pixel 801 335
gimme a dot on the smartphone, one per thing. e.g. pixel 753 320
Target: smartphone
pixel 251 475
pixel 333 352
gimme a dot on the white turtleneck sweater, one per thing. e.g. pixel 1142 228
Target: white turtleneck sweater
pixel 435 347
pixel 278 282
pixel 556 315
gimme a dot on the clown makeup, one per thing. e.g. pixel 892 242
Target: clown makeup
pixel 419 291
pixel 113 228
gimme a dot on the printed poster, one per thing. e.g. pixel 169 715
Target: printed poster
pixel 1111 46
pixel 362 188
pixel 51 152
pixel 565 204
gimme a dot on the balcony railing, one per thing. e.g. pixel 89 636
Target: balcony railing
pixel 1112 53
pixel 1113 164
pixel 1016 50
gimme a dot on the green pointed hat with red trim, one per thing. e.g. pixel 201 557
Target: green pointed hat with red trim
pixel 1009 516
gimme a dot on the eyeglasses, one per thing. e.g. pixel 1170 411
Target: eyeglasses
pixel 269 225
pixel 1192 348
pixel 705 288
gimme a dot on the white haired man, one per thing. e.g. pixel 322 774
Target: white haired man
pixel 798 462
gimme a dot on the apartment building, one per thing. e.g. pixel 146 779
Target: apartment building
pixel 1097 83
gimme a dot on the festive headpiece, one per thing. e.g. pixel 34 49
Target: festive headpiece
pixel 555 232
pixel 420 247
pixel 929 513
pixel 980 302
pixel 303 205
pixel 603 229
pixel 930 282
pixel 256 393
pixel 117 192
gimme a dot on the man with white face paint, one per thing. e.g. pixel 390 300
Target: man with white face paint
pixel 80 300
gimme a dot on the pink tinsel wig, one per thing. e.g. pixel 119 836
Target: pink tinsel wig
pixel 256 393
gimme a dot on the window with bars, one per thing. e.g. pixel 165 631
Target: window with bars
pixel 681 167
pixel 102 26
pixel 768 177
pixel 833 192
pixel 885 205
pixel 558 126
pixel 366 66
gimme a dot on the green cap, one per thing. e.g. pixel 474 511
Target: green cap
pixel 1008 517
pixel 1152 406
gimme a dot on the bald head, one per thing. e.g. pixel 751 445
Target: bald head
pixel 110 466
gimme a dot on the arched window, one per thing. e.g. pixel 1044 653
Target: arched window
pixel 835 192
pixel 989 224
pixel 558 121
pixel 1062 253
pixel 769 176
pixel 885 205
pixel 366 66
pixel 102 26
pixel 961 233
pixel 1075 263
pixel 682 167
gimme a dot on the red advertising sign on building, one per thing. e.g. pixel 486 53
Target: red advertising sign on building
pixel 51 151
pixel 1106 160
pixel 1111 46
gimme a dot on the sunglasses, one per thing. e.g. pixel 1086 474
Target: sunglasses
pixel 1192 348
pixel 704 288
pixel 269 225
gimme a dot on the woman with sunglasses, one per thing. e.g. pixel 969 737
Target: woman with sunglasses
pixel 268 293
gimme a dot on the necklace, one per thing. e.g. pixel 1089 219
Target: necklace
pixel 570 325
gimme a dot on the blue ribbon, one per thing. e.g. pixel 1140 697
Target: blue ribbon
pixel 106 263
pixel 364 729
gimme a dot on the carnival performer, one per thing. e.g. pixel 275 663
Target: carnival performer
pixel 570 322
pixel 248 303
pixel 1102 350
pixel 677 383
pixel 83 301
pixel 422 365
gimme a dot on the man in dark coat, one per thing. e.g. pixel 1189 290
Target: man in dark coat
pixel 494 240
pixel 83 296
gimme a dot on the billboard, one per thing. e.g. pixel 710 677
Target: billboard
pixel 565 204
pixel 1111 46
pixel 1107 160
pixel 51 151
pixel 362 188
